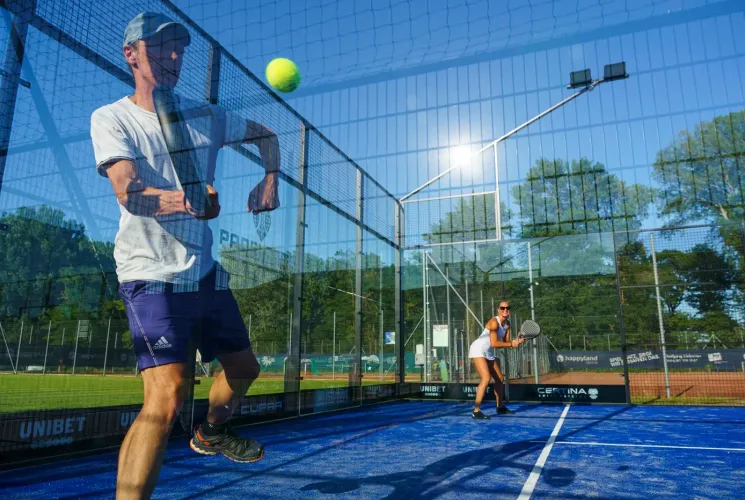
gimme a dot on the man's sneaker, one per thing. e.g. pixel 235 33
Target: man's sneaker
pixel 505 411
pixel 480 416
pixel 229 444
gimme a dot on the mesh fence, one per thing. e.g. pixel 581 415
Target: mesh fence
pixel 661 309
pixel 681 295
pixel 66 345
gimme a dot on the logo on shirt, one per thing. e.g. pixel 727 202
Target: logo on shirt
pixel 162 343
pixel 262 223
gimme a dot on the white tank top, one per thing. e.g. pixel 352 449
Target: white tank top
pixel 483 343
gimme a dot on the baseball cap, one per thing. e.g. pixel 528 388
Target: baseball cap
pixel 146 24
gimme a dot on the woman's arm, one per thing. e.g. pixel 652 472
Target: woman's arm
pixel 492 326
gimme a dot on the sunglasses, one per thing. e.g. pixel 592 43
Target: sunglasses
pixel 504 308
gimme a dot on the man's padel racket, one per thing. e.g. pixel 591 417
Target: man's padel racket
pixel 529 330
pixel 180 148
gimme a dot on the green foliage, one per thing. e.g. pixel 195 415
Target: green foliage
pixel 559 198
pixel 702 174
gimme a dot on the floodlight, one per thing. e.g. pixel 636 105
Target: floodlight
pixel 615 71
pixel 581 78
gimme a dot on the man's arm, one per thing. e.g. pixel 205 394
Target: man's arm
pixel 264 196
pixel 144 201
pixel 268 145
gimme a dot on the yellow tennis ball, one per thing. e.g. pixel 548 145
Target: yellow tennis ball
pixel 283 74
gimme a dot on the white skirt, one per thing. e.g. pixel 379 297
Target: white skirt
pixel 481 349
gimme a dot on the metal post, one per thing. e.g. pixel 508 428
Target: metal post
pixel 532 313
pixel 659 314
pixel 356 376
pixel 18 16
pixel 584 342
pixel 381 368
pixel 18 352
pixel 450 323
pixel 7 348
pixel 249 326
pixel 46 350
pixel 570 342
pixel 463 359
pixel 333 352
pixel 62 342
pixel 468 326
pixel 398 294
pixel 621 329
pixel 75 356
pixel 425 321
pixel 106 353
pixel 497 199
pixel 609 341
pixel 30 334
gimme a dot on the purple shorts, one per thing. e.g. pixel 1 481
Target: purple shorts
pixel 163 318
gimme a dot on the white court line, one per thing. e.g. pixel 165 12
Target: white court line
pixel 650 446
pixel 529 485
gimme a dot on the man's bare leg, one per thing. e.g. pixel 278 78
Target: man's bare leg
pixel 142 451
pixel 240 369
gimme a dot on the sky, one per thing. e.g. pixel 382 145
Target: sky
pixel 398 85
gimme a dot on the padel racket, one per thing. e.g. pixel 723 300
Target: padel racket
pixel 181 151
pixel 529 330
pixel 180 148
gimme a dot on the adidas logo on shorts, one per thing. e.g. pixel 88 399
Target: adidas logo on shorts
pixel 162 343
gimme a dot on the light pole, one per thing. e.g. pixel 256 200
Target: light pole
pixel 578 79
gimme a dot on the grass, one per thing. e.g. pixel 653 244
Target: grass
pixel 26 392
pixel 688 400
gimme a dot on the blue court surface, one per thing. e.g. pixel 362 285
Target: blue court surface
pixel 435 450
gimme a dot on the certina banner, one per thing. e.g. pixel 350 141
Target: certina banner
pixel 722 359
pixel 568 393
pixel 532 392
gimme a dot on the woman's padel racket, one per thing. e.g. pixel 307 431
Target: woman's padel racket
pixel 529 330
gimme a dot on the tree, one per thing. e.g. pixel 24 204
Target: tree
pixel 702 178
pixel 702 172
pixel 472 219
pixel 559 198
pixel 47 261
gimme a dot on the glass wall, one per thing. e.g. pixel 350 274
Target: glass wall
pixel 313 279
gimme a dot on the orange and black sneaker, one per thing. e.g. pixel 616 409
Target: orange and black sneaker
pixel 227 442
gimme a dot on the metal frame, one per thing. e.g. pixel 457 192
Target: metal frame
pixel 19 15
pixel 355 372
pixel 292 365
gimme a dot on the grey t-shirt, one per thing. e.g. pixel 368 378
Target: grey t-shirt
pixel 174 249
